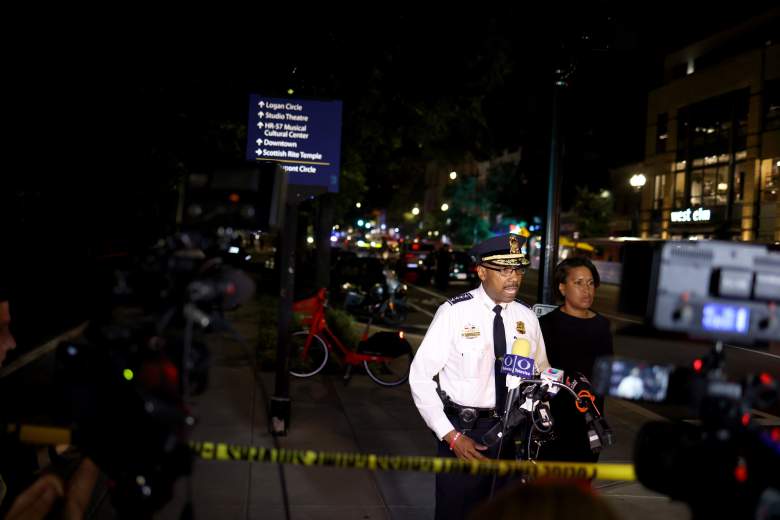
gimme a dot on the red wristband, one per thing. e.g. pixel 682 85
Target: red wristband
pixel 454 440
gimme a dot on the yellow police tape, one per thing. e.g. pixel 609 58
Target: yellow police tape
pixel 236 452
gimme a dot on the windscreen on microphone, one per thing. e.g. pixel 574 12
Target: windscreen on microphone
pixel 521 347
pixel 518 365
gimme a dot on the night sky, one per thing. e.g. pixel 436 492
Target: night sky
pixel 104 115
pixel 107 116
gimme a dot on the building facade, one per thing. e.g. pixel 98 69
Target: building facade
pixel 712 152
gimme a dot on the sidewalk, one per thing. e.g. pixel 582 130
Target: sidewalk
pixel 331 416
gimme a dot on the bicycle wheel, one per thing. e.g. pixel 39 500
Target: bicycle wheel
pixel 315 358
pixel 392 372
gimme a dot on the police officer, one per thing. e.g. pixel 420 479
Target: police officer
pixel 463 346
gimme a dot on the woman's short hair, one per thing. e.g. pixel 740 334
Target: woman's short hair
pixel 562 271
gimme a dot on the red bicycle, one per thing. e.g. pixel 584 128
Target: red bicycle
pixel 386 356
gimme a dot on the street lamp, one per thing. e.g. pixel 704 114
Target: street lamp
pixel 637 181
pixel 415 211
pixel 445 207
pixel 453 175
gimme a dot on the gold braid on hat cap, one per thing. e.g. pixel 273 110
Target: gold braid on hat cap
pixel 514 258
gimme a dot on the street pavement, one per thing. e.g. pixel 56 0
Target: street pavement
pixel 358 416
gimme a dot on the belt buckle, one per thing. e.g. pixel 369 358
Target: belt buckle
pixel 467 417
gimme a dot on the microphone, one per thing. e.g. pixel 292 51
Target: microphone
pixel 600 435
pixel 553 375
pixel 580 385
pixel 517 366
pixel 497 432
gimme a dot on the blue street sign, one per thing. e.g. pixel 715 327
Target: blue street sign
pixel 520 366
pixel 303 136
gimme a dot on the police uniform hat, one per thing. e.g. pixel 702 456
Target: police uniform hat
pixel 503 250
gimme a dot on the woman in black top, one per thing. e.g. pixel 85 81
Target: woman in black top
pixel 574 337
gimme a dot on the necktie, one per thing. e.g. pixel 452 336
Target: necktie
pixel 499 349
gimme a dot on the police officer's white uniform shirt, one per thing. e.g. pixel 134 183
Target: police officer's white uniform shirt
pixel 459 347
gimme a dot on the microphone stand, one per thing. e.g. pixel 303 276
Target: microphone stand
pixel 510 398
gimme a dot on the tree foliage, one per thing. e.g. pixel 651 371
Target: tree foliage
pixel 593 213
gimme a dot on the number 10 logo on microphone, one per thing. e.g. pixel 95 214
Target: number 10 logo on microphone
pixel 519 366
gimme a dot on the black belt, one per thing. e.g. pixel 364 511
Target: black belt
pixel 469 414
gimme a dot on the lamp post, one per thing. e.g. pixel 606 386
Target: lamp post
pixel 637 182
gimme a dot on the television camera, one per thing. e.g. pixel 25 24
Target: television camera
pixel 122 389
pixel 724 464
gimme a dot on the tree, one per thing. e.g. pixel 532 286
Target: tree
pixel 593 212
pixel 468 213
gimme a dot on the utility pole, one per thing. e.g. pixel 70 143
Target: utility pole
pixel 549 254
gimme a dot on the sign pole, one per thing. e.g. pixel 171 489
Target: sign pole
pixel 279 409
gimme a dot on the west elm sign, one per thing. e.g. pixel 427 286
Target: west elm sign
pixel 692 215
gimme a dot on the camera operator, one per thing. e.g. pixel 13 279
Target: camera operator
pixel 19 465
pixel 575 336
pixel 41 498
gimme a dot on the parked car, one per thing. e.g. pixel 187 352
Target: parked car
pixel 415 265
pixel 463 268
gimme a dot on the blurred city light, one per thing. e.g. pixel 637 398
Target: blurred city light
pixel 445 207
pixel 415 211
pixel 309 240
pixel 358 205
pixel 453 175
pixel 637 181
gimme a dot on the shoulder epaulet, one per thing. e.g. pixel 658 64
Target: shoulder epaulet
pixel 460 298
pixel 521 302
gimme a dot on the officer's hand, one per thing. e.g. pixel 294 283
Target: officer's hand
pixel 464 447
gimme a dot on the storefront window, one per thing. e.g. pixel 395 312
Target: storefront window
pixel 739 181
pixel 679 190
pixel 658 191
pixel 770 179
pixel 709 133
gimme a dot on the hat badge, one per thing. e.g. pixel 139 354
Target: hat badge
pixel 514 245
